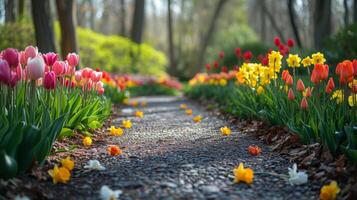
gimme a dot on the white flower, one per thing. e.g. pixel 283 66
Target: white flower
pixel 94 165
pixel 295 177
pixel 18 197
pixel 108 194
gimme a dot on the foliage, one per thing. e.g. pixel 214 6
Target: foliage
pixel 151 89
pixel 17 35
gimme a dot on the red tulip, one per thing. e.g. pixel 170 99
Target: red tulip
pixel 59 67
pixel 221 54
pixel 5 72
pixel 284 74
pixel 49 81
pixel 319 73
pixel 238 52
pixel 291 95
pixel 96 76
pixel 289 80
pixel 247 55
pixel 215 64
pixel 330 85
pixel 11 56
pixel 224 69
pixel 345 70
pixel 73 59
pixel 354 62
pixel 50 58
pixel 300 86
pixel 87 73
pixel 277 41
pixel 208 66
pixel 290 42
pixel 304 105
pixel 308 92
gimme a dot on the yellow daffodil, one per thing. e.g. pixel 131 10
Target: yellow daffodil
pixel 222 82
pixel 126 123
pixel 183 106
pixel 338 96
pixel 197 118
pixel 225 131
pixel 274 58
pixel 59 175
pixel 318 58
pixel 67 163
pixel 352 100
pixel 329 192
pixel 87 141
pixel 352 83
pixel 188 112
pixel 126 101
pixel 260 90
pixel 116 131
pixel 139 114
pixel 306 62
pixel 293 60
pixel 242 174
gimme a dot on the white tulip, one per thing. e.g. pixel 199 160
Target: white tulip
pixel 295 177
pixel 94 165
pixel 108 194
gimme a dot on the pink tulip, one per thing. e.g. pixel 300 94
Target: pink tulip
pixel 101 91
pixel 5 72
pixel 59 67
pixel 14 79
pixel 96 76
pixel 49 82
pixel 11 56
pixel 78 75
pixel 19 72
pixel 87 73
pixel 30 52
pixel 50 58
pixel 73 59
pixel 23 59
pixel 99 85
pixel 35 68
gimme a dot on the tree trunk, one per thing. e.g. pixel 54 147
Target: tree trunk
pixel 263 24
pixel 9 11
pixel 272 21
pixel 42 20
pixel 122 18
pixel 355 11
pixel 322 22
pixel 172 68
pixel 209 33
pixel 347 13
pixel 293 22
pixel 138 21
pixel 91 15
pixel 65 11
pixel 21 8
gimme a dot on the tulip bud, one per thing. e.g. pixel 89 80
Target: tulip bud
pixel 5 72
pixel 50 58
pixel 73 59
pixel 11 56
pixel 23 59
pixel 304 105
pixel 308 92
pixel 277 41
pixel 330 85
pixel 289 80
pixel 35 68
pixel 78 75
pixel 101 91
pixel 291 95
pixel 221 54
pixel 290 42
pixel 49 82
pixel 300 86
pixel 30 52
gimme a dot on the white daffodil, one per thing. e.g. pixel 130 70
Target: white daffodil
pixel 94 165
pixel 18 197
pixel 295 177
pixel 108 194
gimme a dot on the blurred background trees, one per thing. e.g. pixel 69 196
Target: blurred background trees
pixel 176 36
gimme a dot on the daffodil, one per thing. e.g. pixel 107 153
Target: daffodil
pixel 242 174
pixel 87 141
pixel 306 62
pixel 225 131
pixel 197 118
pixel 295 177
pixel 183 106
pixel 352 100
pixel 59 175
pixel 318 58
pixel 94 165
pixel 260 90
pixel 338 96
pixel 139 114
pixel 116 131
pixel 67 163
pixel 275 60
pixel 222 82
pixel 329 192
pixel 108 194
pixel 126 123
pixel 293 60
pixel 188 112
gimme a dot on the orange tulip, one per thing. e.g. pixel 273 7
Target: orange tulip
pixel 308 92
pixel 330 85
pixel 284 74
pixel 300 86
pixel 304 105
pixel 254 150
pixel 319 73
pixel 291 95
pixel 354 62
pixel 114 150
pixel 345 71
pixel 289 80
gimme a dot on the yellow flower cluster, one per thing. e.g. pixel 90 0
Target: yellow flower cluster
pixel 62 174
pixel 242 174
pixel 116 131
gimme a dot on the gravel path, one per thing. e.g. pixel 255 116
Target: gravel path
pixel 168 156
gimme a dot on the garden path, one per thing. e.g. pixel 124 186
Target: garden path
pixel 168 156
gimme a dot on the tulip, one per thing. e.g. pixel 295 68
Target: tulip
pixel 247 55
pixel 35 68
pixel 87 73
pixel 284 74
pixel 330 85
pixel 224 69
pixel 59 67
pixel 291 95
pixel 215 64
pixel 300 86
pixel 308 92
pixel 78 75
pixel 96 76
pixel 354 62
pixel 319 73
pixel 50 58
pixel 208 66
pixel 221 54
pixel 99 85
pixel 13 80
pixel 238 52
pixel 345 70
pixel 23 59
pixel 290 42
pixel 30 52
pixel 49 82
pixel 73 59
pixel 5 72
pixel 289 80
pixel 11 56
pixel 101 91
pixel 304 105
pixel 277 41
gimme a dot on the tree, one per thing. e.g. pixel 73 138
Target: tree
pixel 21 8
pixel 210 32
pixel 42 20
pixel 122 18
pixel 322 21
pixel 138 21
pixel 65 11
pixel 347 13
pixel 9 10
pixel 272 21
pixel 292 17
pixel 355 11
pixel 172 69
